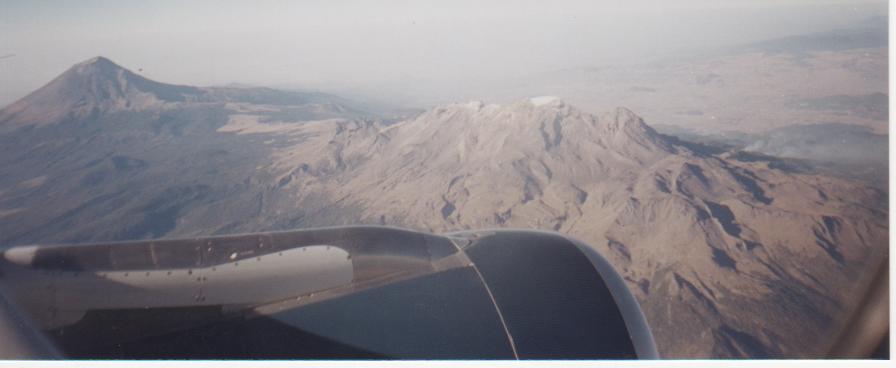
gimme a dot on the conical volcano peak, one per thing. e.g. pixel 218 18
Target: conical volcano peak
pixel 100 68
pixel 98 61
pixel 96 85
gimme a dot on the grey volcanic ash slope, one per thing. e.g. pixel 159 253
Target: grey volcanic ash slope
pixel 103 153
pixel 95 85
pixel 99 86
pixel 729 259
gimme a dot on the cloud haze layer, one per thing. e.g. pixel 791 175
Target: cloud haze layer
pixel 432 48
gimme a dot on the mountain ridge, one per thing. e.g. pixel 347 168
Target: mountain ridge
pixel 727 258
pixel 698 238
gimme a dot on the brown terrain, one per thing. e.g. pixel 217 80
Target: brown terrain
pixel 728 257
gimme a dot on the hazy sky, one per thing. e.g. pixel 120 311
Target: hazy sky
pixel 371 45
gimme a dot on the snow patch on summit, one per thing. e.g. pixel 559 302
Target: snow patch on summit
pixel 543 100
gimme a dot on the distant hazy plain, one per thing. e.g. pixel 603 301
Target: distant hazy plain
pixel 403 52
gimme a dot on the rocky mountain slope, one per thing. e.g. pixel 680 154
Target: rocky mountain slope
pixel 728 258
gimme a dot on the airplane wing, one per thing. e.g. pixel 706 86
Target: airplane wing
pixel 329 293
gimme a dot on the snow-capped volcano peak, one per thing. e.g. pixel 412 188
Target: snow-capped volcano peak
pixel 545 100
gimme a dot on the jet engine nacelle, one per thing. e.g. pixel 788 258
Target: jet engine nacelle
pixel 346 292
